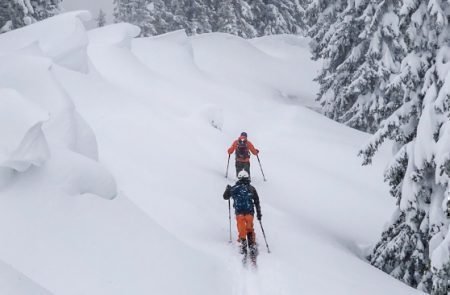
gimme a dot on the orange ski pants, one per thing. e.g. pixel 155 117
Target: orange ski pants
pixel 245 225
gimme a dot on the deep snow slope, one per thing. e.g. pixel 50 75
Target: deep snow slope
pixel 113 182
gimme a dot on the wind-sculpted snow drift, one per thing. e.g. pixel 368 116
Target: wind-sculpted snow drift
pixel 13 282
pixel 78 107
pixel 42 121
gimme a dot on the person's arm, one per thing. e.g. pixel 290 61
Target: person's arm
pixel 232 147
pixel 227 193
pixel 256 202
pixel 252 148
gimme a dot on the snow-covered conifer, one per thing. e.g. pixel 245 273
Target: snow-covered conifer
pixel 101 18
pixel 282 17
pixel 136 12
pixel 236 17
pixel 369 86
pixel 245 18
pixel 197 15
pixel 358 41
pixel 15 14
pixel 45 8
pixel 415 248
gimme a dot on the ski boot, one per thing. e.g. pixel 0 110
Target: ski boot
pixel 448 207
pixel 253 248
pixel 243 250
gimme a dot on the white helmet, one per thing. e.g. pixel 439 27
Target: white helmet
pixel 243 174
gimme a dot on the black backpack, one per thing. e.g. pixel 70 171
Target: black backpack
pixel 242 151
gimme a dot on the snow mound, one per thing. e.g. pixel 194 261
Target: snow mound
pixel 282 46
pixel 172 54
pixel 252 64
pixel 65 127
pixel 14 282
pixel 23 142
pixel 61 38
pixel 117 34
pixel 39 119
pixel 111 56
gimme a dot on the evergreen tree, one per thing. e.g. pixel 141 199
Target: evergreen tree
pixel 160 18
pixel 415 248
pixel 101 18
pixel 15 14
pixel 45 8
pixel 135 12
pixel 341 61
pixel 198 15
pixel 321 17
pixel 245 18
pixel 236 17
pixel 226 19
pixel 5 19
pixel 282 17
pixel 375 97
pixel 361 51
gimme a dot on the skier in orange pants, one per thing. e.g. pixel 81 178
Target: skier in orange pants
pixel 245 200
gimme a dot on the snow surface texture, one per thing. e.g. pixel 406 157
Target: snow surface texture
pixel 163 110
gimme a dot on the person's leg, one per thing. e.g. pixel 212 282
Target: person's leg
pixel 249 230
pixel 242 231
pixel 246 167
pixel 251 238
pixel 241 226
pixel 239 167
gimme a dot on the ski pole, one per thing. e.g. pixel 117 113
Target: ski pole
pixel 229 217
pixel 264 235
pixel 260 166
pixel 228 164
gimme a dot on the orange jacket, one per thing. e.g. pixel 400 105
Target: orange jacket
pixel 250 147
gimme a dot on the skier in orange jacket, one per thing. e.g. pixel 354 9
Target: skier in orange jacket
pixel 242 147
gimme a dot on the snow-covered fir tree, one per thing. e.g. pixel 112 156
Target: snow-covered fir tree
pixel 5 19
pixel 321 17
pixel 358 41
pixel 137 12
pixel 196 15
pixel 15 14
pixel 281 17
pixel 256 18
pixel 245 18
pixel 236 17
pixel 101 18
pixel 415 248
pixel 160 17
pixel 375 97
pixel 45 8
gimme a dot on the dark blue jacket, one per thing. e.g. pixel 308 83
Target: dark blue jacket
pixel 231 192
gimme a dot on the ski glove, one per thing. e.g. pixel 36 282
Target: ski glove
pixel 259 216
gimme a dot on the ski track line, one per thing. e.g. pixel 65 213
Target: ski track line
pixel 265 280
pixel 246 281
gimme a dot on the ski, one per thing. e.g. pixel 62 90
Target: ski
pixel 244 252
pixel 253 254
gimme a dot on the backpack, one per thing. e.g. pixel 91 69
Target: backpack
pixel 242 151
pixel 242 197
